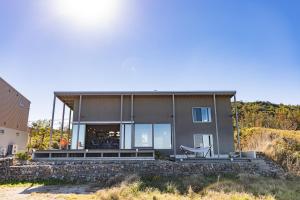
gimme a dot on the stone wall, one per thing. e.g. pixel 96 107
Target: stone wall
pixel 95 171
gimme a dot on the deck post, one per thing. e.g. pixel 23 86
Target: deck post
pixel 52 121
pixel 78 121
pixel 62 124
pixel 132 119
pixel 69 127
pixel 174 125
pixel 216 125
pixel 131 111
pixel 121 121
pixel 237 124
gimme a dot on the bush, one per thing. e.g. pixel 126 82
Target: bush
pixel 23 156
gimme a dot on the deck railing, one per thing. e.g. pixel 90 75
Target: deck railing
pixel 98 154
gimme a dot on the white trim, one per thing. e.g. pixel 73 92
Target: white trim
pixel 209 114
pixel 103 122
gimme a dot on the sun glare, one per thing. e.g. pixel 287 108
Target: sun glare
pixel 88 13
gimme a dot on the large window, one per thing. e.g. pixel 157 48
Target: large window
pixel 152 135
pixel 143 135
pixel 81 139
pixel 162 136
pixel 201 114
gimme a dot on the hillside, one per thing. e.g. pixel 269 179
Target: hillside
pixel 268 115
pixel 282 146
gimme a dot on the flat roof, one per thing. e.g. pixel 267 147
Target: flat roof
pixel 68 97
pixel 155 92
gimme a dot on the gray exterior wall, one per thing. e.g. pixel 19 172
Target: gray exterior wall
pixel 185 128
pixel 14 111
pixel 158 109
pixel 98 108
pixel 152 109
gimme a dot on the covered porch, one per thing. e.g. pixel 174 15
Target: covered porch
pixel 88 139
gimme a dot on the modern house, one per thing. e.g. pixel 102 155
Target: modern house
pixel 14 110
pixel 118 124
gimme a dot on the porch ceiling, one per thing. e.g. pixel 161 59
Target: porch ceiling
pixel 68 100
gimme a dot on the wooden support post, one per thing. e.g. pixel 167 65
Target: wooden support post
pixel 78 125
pixel 69 128
pixel 121 123
pixel 52 121
pixel 237 125
pixel 62 125
pixel 216 125
pixel 174 126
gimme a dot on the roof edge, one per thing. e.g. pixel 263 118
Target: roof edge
pixel 14 89
pixel 91 93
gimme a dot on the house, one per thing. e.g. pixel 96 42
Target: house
pixel 113 123
pixel 14 110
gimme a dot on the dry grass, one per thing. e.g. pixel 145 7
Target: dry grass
pixel 282 146
pixel 242 187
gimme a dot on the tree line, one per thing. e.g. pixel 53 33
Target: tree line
pixel 267 115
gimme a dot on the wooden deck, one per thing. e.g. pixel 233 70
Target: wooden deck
pixel 95 154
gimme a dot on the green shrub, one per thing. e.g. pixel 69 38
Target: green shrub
pixel 23 156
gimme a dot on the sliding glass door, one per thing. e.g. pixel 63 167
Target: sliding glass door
pixel 126 138
pixel 162 136
pixel 81 138
pixel 156 136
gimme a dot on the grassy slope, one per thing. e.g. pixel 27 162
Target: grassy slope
pixel 283 146
pixel 241 187
pixel 197 187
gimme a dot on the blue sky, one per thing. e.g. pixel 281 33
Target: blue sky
pixel 249 46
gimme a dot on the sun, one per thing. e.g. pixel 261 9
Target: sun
pixel 88 13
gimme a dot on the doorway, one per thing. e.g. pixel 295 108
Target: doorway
pixel 204 140
pixel 102 136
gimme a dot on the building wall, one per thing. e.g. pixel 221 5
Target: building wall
pixel 158 109
pixel 98 108
pixel 13 136
pixel 185 128
pixel 14 110
pixel 152 109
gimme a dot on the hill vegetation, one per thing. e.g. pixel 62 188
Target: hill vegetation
pixel 282 146
pixel 273 129
pixel 268 115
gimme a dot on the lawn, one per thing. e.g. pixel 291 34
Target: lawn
pixel 242 187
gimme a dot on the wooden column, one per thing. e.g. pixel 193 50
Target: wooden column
pixel 62 125
pixel 237 125
pixel 69 128
pixel 216 125
pixel 52 121
pixel 174 125
pixel 122 137
pixel 78 121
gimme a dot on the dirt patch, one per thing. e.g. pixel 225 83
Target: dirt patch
pixel 44 192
